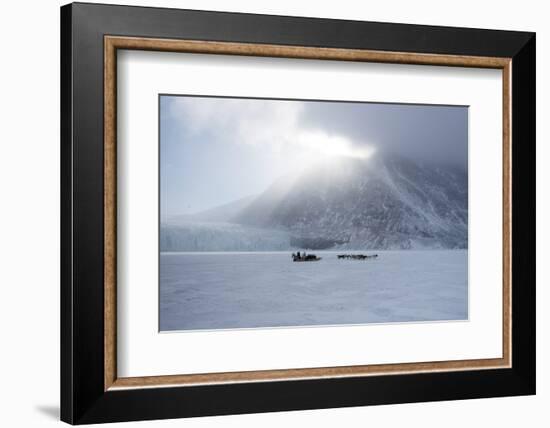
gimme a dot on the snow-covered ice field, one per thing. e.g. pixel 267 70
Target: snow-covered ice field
pixel 266 289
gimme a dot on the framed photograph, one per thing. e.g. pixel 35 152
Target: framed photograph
pixel 266 213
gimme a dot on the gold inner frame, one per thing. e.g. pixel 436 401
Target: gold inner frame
pixel 113 43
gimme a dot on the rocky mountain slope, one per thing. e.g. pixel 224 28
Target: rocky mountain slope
pixel 383 202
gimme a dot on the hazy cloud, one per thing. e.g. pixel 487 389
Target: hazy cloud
pixel 438 133
pixel 216 150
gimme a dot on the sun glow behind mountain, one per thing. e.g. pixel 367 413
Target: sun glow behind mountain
pixel 273 132
pixel 323 145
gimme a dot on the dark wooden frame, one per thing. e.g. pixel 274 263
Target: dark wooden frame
pixel 90 35
pixel 114 43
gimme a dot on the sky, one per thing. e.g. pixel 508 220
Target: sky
pixel 217 150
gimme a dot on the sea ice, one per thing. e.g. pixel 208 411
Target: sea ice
pixel 266 289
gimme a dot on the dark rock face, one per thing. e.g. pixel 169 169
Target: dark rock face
pixel 385 202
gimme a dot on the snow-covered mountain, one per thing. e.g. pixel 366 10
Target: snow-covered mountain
pixel 384 202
